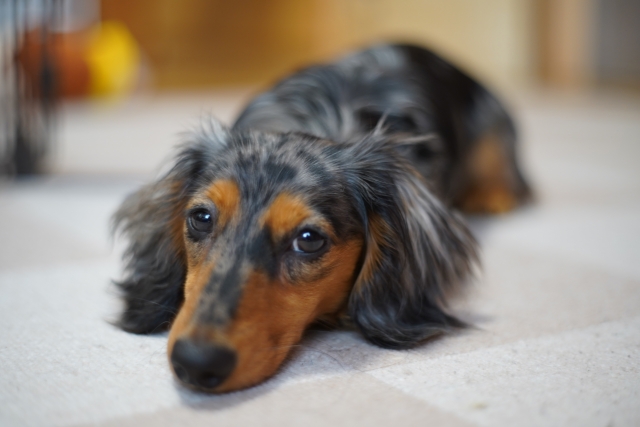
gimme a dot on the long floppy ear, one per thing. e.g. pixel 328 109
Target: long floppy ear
pixel 151 219
pixel 417 253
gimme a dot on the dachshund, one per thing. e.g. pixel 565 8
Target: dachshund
pixel 332 199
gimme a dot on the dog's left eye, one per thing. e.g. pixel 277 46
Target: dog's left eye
pixel 200 221
pixel 308 241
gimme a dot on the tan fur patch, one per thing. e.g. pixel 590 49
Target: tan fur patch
pixel 272 316
pixel 196 280
pixel 285 214
pixel 490 189
pixel 226 196
pixel 378 233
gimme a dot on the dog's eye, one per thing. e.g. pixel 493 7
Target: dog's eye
pixel 200 221
pixel 308 242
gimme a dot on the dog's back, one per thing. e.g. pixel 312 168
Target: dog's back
pixel 464 140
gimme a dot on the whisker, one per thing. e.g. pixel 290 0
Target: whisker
pixel 166 307
pixel 160 326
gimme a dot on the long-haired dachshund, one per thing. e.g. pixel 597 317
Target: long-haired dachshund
pixel 330 199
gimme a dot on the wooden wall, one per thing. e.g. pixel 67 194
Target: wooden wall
pixel 573 44
pixel 192 43
pixel 195 43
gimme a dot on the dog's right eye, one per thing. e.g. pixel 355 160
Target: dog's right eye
pixel 200 222
pixel 308 242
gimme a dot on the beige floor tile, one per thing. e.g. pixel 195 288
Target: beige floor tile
pixel 588 377
pixel 137 135
pixel 605 237
pixel 28 241
pixel 353 400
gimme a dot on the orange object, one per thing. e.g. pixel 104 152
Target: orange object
pixel 101 61
pixel 65 55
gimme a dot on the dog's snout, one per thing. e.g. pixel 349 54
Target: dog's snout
pixel 202 365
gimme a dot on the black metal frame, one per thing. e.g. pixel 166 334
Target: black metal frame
pixel 27 104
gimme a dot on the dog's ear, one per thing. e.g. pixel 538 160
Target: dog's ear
pixel 417 251
pixel 151 219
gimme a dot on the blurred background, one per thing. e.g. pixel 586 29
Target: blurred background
pixel 105 86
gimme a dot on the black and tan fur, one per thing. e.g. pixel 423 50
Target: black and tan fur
pixel 372 154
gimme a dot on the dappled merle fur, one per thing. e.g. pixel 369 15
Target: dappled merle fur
pixel 426 250
pixel 155 266
pixel 377 142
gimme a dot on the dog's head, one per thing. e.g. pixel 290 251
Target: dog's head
pixel 251 237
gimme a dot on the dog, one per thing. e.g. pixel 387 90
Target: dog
pixel 332 199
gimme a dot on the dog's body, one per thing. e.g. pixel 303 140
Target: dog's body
pixel 330 197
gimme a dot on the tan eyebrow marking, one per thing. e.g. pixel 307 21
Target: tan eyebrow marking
pixel 226 196
pixel 285 214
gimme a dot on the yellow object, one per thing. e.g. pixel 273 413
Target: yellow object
pixel 113 58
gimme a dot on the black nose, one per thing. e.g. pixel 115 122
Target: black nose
pixel 201 364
